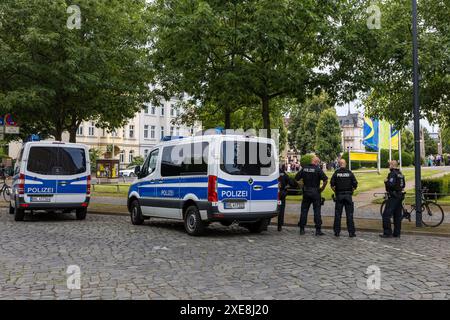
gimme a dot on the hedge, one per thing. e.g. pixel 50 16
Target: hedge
pixel 437 185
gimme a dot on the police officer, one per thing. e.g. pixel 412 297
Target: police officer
pixel 284 183
pixel 395 184
pixel 309 178
pixel 343 183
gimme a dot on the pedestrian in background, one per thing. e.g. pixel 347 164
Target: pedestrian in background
pixel 344 183
pixel 283 183
pixel 309 178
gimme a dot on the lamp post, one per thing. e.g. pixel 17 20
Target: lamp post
pixel 417 160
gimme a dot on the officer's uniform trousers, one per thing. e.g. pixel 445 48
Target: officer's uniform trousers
pixel 344 199
pixel 310 196
pixel 393 209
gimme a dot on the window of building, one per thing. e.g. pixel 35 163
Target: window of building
pixel 162 110
pixel 145 153
pixel 153 110
pixel 114 133
pixel 80 131
pixel 171 131
pixel 146 131
pixel 91 128
pixel 131 131
pixel 152 132
pixel 162 132
pixel 130 156
pixel 172 110
pixel 177 133
pixel 122 156
pixel 146 109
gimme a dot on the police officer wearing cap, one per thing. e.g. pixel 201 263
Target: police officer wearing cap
pixel 309 178
pixel 395 184
pixel 343 183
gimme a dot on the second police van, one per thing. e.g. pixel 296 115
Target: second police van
pixel 209 178
pixel 51 176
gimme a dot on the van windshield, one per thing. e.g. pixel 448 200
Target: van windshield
pixel 56 160
pixel 247 158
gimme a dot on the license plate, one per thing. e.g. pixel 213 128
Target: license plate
pixel 40 199
pixel 234 205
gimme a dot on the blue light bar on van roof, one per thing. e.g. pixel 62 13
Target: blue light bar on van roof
pixel 170 138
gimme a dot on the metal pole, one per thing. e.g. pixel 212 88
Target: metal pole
pixel 349 159
pixel 390 142
pixel 400 160
pixel 417 159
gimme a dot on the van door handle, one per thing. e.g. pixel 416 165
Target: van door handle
pixel 63 184
pixel 257 188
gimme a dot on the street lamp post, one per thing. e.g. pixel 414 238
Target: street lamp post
pixel 417 159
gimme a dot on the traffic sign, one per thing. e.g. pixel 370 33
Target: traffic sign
pixel 12 130
pixel 9 120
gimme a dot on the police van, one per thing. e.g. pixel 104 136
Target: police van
pixel 51 176
pixel 208 178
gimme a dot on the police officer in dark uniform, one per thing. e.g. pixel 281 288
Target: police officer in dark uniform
pixel 284 182
pixel 309 178
pixel 395 184
pixel 343 183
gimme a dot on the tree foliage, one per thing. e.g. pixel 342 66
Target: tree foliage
pixel 53 77
pixel 303 122
pixel 231 54
pixel 328 136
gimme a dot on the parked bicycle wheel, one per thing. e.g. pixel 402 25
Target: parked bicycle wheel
pixel 432 214
pixel 6 191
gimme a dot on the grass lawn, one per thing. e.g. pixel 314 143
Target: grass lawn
pixel 368 181
pixel 110 190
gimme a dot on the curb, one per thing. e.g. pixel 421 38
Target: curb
pixel 414 233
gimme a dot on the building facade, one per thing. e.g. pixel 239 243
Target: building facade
pixel 352 126
pixel 136 138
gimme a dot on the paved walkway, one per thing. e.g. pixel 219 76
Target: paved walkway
pixel 160 261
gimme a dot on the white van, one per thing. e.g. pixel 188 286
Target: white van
pixel 51 176
pixel 209 178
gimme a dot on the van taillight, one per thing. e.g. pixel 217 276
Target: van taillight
pixel 212 189
pixel 279 192
pixel 21 183
pixel 88 191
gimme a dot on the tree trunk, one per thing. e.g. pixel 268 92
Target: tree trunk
pixel 73 134
pixel 227 118
pixel 266 114
pixel 58 132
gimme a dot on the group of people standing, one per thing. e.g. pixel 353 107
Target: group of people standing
pixel 313 181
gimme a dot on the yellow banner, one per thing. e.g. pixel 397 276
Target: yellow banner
pixel 364 156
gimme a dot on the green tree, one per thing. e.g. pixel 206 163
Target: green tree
pixel 232 53
pixel 407 140
pixel 137 161
pixel 378 61
pixel 431 146
pixel 328 136
pixel 445 133
pixel 53 76
pixel 94 155
pixel 303 122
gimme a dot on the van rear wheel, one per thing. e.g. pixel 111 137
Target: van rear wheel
pixel 136 213
pixel 193 222
pixel 257 227
pixel 81 214
pixel 19 214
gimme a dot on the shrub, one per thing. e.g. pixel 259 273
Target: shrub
pixel 437 185
pixel 306 159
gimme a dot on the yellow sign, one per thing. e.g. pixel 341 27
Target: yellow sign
pixel 364 156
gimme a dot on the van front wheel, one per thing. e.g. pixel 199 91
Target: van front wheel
pixel 192 222
pixel 81 214
pixel 136 213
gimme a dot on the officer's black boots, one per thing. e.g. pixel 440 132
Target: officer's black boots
pixel 302 231
pixel 279 228
pixel 319 233
pixel 336 234
pixel 352 235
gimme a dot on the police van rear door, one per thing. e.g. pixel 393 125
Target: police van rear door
pixel 40 184
pixel 233 184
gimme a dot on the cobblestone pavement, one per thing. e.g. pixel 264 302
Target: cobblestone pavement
pixel 159 261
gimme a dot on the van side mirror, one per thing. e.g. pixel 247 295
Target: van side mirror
pixel 137 170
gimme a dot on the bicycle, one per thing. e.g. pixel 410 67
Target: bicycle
pixel 5 190
pixel 432 212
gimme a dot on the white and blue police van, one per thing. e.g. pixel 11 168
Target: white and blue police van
pixel 51 176
pixel 209 178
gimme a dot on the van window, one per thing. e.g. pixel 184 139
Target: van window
pixel 56 160
pixel 171 161
pixel 195 159
pixel 150 164
pixel 247 158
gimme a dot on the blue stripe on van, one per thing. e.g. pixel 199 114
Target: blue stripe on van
pixel 50 186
